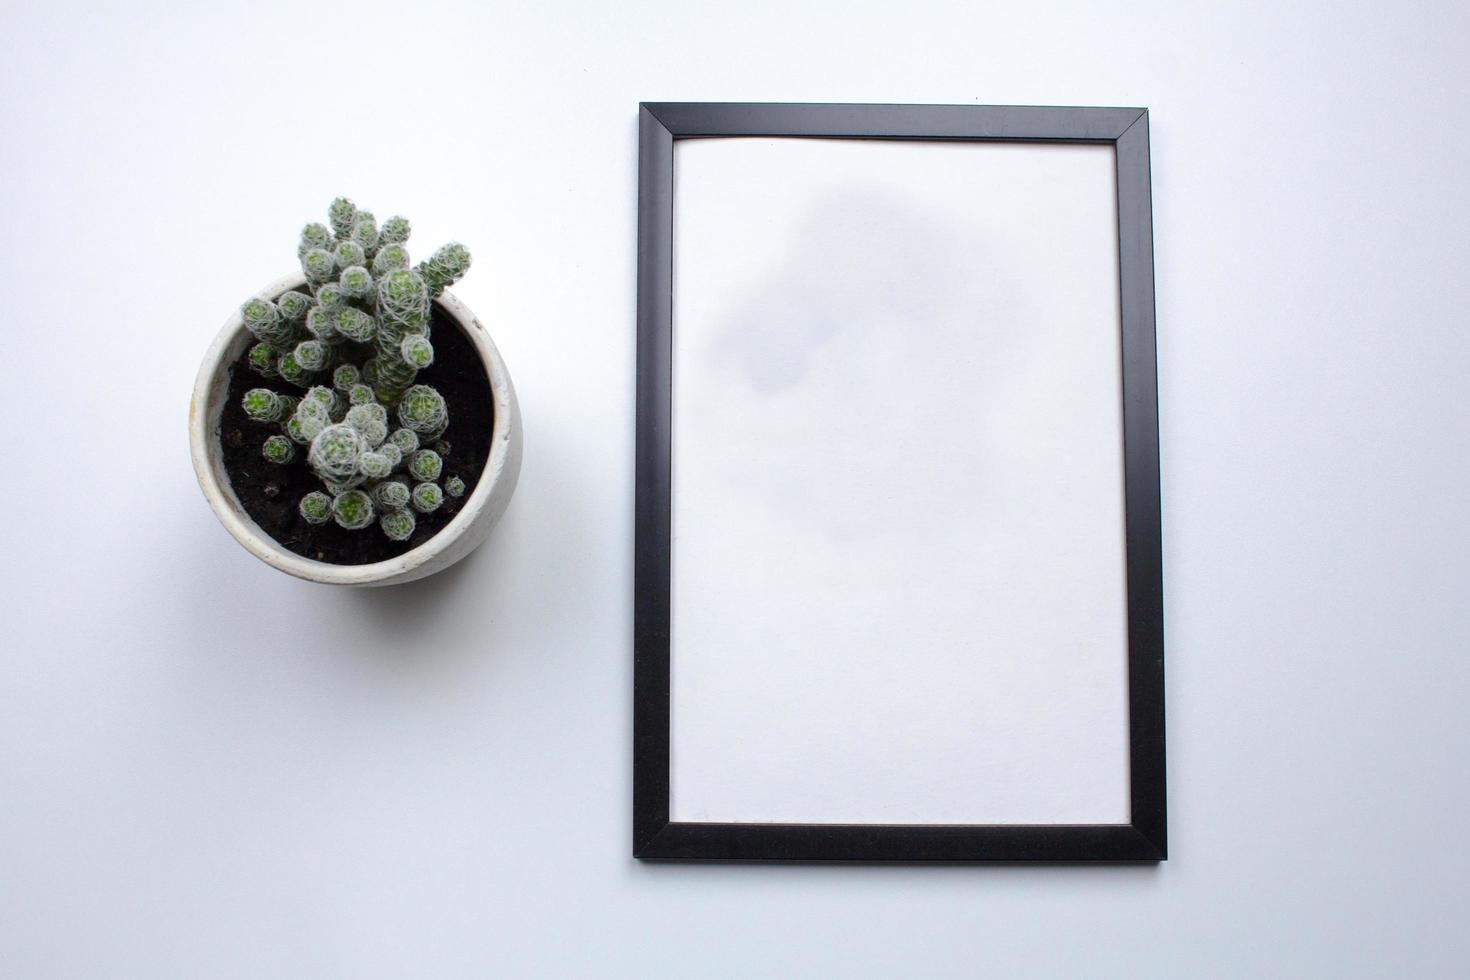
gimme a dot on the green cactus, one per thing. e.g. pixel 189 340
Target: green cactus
pixel 353 509
pixel 370 421
pixel 316 507
pixel 263 318
pixel 312 355
pixel 390 258
pixel 445 267
pixel 425 465
pixel 264 405
pixel 365 232
pixel 422 410
pixel 278 449
pixel 405 439
pixel 427 497
pixel 292 370
pixel 391 494
pixel 262 358
pixel 318 265
pixel 356 325
pixel 342 213
pixel 398 524
pixel 293 305
pixel 334 452
pixel 296 432
pixel 356 282
pixel 348 254
pixel 395 231
pixel 321 323
pixel 355 340
pixel 345 377
pixel 374 465
pixel 314 235
pixel 329 297
pixel 417 352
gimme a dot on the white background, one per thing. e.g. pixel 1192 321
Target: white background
pixel 898 558
pixel 208 769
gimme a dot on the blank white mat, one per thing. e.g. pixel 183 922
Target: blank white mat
pixel 898 569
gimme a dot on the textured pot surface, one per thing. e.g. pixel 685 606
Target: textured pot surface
pixel 467 531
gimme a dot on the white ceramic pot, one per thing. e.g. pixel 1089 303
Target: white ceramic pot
pixel 459 537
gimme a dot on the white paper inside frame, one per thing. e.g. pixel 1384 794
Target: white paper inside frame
pixel 898 566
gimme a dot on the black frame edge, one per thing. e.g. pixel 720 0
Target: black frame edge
pixel 1143 509
pixel 901 844
pixel 651 472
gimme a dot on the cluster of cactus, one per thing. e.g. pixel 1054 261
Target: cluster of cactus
pixel 353 346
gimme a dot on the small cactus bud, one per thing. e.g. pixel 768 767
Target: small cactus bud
pixel 389 259
pixel 321 323
pixel 342 214
pixel 356 282
pixel 395 231
pixel 263 405
pixel 391 494
pixel 392 453
pixel 316 507
pixel 345 377
pixel 319 400
pixel 418 353
pixel 311 418
pixel 348 254
pixel 398 524
pixel 329 295
pixel 360 394
pixel 454 486
pixel 290 369
pixel 262 358
pixel 263 319
pixel 371 422
pixel 403 291
pixel 353 510
pixel 445 267
pixel 278 449
pixel 314 235
pixel 374 465
pixel 311 355
pixel 365 232
pixel 422 409
pixel 406 440
pixel 425 465
pixel 326 397
pixel 354 324
pixel 334 452
pixel 293 305
pixel 259 314
pixel 295 431
pixel 318 266
pixel 427 497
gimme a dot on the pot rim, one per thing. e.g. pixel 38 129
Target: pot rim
pixel 206 404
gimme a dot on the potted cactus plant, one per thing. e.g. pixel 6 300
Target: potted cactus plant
pixel 353 423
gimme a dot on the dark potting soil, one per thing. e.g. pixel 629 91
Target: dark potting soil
pixel 270 492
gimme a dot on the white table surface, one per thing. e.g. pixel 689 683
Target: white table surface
pixel 209 769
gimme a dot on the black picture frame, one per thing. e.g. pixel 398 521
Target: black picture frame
pixel 1144 839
